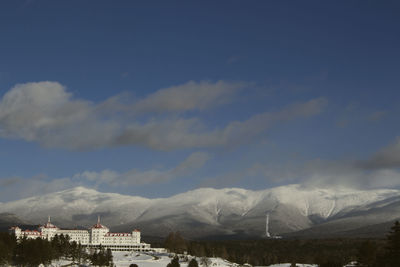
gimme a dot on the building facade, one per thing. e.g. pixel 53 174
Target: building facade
pixel 96 236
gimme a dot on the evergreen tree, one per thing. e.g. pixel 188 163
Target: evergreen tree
pixel 223 253
pixel 109 258
pixel 73 251
pixel 3 253
pixel 80 253
pixel 392 257
pixel 174 262
pixel 175 242
pixel 193 263
pixel 102 257
pixel 33 252
pixel 7 246
pixel 367 254
pixel 94 258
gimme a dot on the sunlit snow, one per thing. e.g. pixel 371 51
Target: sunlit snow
pixel 125 258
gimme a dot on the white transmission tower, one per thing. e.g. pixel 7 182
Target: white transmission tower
pixel 267 234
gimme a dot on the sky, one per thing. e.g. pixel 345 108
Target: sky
pixel 155 98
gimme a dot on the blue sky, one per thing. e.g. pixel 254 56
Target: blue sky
pixel 155 98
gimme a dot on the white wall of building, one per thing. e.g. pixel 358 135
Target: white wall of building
pixel 97 235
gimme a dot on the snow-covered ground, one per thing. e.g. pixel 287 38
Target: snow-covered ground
pixel 124 259
pixel 288 265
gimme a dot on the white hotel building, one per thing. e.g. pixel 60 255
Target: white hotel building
pixel 96 236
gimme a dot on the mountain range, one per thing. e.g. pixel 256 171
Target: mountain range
pixel 293 210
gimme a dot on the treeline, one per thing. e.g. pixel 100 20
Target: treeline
pixel 327 252
pixel 33 252
pixel 192 263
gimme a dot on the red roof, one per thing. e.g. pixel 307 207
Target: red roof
pixel 98 225
pixel 118 234
pixel 31 232
pixel 49 225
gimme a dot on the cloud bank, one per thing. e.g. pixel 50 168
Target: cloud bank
pixel 144 177
pixel 18 187
pixel 387 157
pixel 189 96
pixel 45 112
pixel 380 170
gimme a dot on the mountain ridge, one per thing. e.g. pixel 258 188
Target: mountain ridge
pixel 209 211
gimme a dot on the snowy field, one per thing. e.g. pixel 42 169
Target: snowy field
pixel 124 259
pixel 288 265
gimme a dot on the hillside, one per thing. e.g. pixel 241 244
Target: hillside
pixel 216 212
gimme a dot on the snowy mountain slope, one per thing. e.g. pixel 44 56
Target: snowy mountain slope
pixel 205 211
pixel 238 211
pixel 78 206
pixel 8 219
pixel 373 217
pixel 327 202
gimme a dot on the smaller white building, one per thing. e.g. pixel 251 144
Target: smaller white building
pixel 96 236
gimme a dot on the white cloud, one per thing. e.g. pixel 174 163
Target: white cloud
pixel 190 133
pixel 105 176
pixel 381 170
pixel 328 173
pixel 136 177
pixel 194 161
pixel 387 157
pixel 45 112
pixel 12 188
pixel 189 96
pixel 348 173
pixel 15 188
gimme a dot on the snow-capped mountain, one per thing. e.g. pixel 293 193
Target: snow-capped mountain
pixel 208 211
pixel 78 206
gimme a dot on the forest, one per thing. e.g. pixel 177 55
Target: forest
pixel 33 252
pixel 324 252
pixel 262 252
